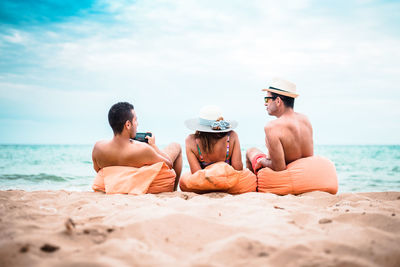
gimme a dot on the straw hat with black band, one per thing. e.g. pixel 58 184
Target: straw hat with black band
pixel 282 87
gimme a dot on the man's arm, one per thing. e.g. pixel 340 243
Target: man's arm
pixel 95 165
pixel 162 156
pixel 275 149
pixel 145 155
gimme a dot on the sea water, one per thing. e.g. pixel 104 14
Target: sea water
pixel 69 167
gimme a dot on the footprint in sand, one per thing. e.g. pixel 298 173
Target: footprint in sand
pixel 24 248
pixel 69 226
pixel 324 221
pixel 99 234
pixel 49 248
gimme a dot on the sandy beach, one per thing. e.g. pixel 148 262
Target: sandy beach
pixel 60 228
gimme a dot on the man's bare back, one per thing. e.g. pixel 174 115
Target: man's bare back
pixel 289 138
pixel 133 153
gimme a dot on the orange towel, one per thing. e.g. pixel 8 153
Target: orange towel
pixel 303 175
pixel 219 176
pixel 154 179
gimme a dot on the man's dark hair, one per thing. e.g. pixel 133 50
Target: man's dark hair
pixel 117 116
pixel 287 101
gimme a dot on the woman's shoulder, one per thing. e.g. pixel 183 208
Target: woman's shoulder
pixel 190 139
pixel 233 134
pixel 233 137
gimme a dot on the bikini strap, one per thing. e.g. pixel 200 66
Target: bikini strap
pixel 227 148
pixel 198 149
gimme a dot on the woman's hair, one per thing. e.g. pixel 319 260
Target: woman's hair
pixel 208 140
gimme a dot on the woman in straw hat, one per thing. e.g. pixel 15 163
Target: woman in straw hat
pixel 214 140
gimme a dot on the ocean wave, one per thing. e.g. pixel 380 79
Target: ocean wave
pixel 34 177
pixel 396 169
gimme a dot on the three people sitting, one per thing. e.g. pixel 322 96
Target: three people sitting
pixel 288 139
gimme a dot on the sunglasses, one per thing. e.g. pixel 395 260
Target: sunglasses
pixel 267 98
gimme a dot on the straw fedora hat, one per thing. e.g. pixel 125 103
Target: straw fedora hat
pixel 282 87
pixel 210 120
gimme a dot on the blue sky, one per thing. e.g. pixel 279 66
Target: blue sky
pixel 64 63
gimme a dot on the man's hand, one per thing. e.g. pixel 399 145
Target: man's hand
pixel 261 163
pixel 151 140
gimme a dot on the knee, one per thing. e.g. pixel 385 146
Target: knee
pixel 177 147
pixel 250 152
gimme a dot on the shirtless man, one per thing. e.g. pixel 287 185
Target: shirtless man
pixel 287 138
pixel 121 150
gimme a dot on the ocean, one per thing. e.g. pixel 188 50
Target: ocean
pixel 362 168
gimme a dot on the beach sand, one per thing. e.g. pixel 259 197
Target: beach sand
pixel 60 228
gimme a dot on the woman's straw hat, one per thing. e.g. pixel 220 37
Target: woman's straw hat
pixel 282 87
pixel 210 120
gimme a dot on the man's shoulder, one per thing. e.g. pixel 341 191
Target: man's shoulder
pixel 274 124
pixel 303 119
pixel 100 144
pixel 287 121
pixel 133 147
pixel 136 148
pixel 301 116
pixel 279 126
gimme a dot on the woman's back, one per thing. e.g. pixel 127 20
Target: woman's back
pixel 202 151
pixel 219 148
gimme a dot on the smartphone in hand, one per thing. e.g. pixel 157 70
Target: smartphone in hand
pixel 141 137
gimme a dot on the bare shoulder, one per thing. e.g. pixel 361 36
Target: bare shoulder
pixel 190 141
pixel 233 134
pixel 136 153
pixel 273 125
pixel 139 148
pixel 303 118
pixel 234 138
pixel 99 145
pixel 190 138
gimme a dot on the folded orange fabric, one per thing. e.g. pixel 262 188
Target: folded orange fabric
pixel 303 175
pixel 153 179
pixel 220 177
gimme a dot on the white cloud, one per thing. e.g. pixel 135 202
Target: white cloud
pixel 15 37
pixel 169 56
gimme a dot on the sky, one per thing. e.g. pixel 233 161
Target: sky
pixel 63 64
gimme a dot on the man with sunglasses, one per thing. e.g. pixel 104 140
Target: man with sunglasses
pixel 289 137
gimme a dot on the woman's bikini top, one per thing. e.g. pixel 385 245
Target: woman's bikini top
pixel 204 164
